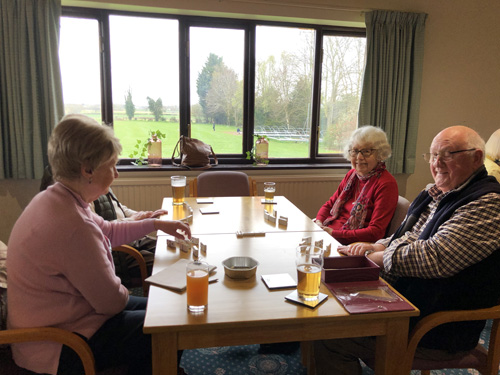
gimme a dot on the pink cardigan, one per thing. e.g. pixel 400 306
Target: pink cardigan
pixel 61 271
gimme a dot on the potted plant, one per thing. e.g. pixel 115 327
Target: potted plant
pixel 260 152
pixel 148 151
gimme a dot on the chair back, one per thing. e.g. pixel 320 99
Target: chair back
pixel 222 184
pixel 399 215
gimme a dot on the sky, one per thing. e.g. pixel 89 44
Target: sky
pixel 145 56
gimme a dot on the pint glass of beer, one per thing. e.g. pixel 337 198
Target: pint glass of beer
pixel 197 286
pixel 309 261
pixel 269 190
pixel 178 189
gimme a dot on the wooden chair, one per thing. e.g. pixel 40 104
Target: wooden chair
pixel 399 215
pixel 485 361
pixel 75 342
pixel 142 264
pixel 222 184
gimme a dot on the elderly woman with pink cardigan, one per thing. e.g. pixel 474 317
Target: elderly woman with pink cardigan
pixel 61 271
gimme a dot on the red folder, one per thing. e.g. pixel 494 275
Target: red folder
pixel 360 297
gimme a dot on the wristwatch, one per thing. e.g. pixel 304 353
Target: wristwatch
pixel 368 252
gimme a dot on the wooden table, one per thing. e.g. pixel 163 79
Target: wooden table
pixel 239 214
pixel 244 312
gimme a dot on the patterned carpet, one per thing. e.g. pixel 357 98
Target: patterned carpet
pixel 246 360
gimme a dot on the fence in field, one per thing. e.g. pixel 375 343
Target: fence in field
pixel 282 133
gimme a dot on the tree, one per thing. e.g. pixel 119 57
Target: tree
pixel 266 94
pixel 156 108
pixel 299 106
pixel 204 81
pixel 221 103
pixel 129 104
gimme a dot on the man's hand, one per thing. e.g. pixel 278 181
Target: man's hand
pixel 360 248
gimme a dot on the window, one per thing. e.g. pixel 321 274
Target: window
pixel 79 47
pixel 283 89
pixel 341 78
pixel 216 73
pixel 145 79
pixel 219 80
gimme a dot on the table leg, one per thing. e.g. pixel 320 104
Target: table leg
pixel 390 349
pixel 164 353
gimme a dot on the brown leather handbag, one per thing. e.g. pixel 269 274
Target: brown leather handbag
pixel 193 154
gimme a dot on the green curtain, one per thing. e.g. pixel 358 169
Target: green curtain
pixel 390 97
pixel 30 84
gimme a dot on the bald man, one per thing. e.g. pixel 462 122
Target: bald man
pixel 443 257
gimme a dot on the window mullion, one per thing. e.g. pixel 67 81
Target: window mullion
pixel 316 95
pixel 105 60
pixel 184 79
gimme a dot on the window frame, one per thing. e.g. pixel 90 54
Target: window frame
pixel 249 27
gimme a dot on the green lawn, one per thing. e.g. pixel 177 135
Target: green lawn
pixel 224 140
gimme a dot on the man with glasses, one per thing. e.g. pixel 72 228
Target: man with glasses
pixel 443 257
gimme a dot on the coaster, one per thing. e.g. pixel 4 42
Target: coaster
pixel 263 201
pixel 294 297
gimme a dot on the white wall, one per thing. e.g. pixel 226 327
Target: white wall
pixel 461 75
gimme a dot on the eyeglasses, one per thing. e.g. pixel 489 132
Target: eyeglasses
pixel 445 155
pixel 366 152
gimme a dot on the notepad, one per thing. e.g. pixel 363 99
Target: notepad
pixel 174 276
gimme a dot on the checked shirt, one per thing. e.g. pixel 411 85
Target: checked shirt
pixel 469 236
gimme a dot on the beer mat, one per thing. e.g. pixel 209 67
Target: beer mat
pixel 294 297
pixel 207 211
pixel 263 201
pixel 279 281
pixel 368 297
pixel 174 277
pixel 204 201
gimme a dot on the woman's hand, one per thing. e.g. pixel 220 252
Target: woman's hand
pixel 171 227
pixel 360 248
pixel 148 214
pixel 318 223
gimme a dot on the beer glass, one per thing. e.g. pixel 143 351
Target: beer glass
pixel 309 262
pixel 197 286
pixel 269 190
pixel 178 189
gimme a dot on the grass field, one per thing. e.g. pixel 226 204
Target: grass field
pixel 224 140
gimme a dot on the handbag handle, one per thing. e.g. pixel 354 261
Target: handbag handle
pixel 173 154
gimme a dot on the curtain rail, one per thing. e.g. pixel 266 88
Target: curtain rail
pixel 300 5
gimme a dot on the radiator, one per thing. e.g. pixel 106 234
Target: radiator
pixel 308 193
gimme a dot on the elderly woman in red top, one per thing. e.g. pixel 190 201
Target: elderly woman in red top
pixel 364 203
